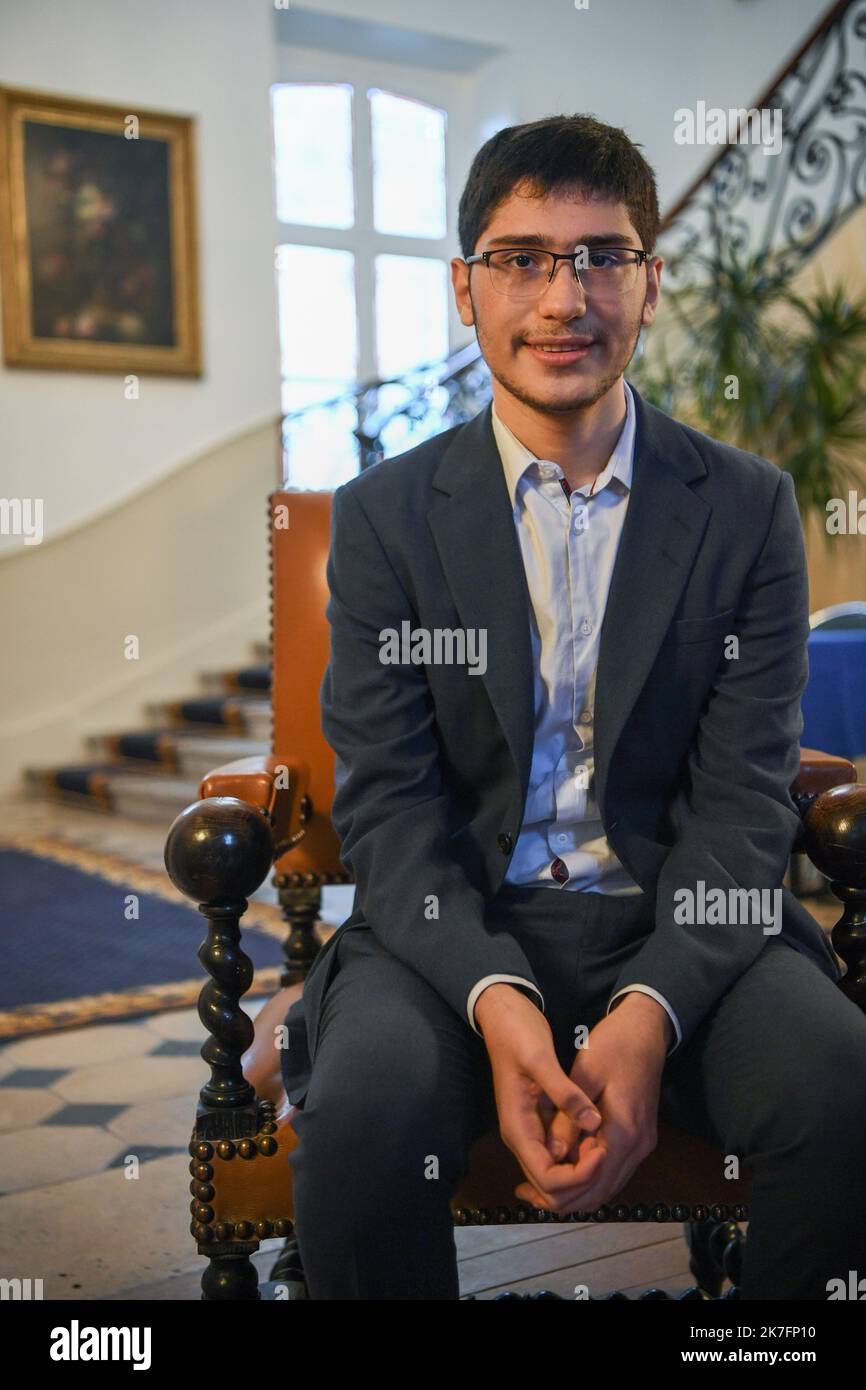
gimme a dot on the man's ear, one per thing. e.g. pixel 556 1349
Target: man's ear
pixel 460 282
pixel 651 302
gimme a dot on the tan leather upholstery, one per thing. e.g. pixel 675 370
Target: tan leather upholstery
pixel 821 771
pixel 300 642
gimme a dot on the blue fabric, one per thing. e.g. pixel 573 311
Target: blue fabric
pixel 66 935
pixel 834 701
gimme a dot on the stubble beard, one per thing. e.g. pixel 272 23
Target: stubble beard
pixel 593 390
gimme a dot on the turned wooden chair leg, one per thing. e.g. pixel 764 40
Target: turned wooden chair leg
pixel 302 907
pixel 218 851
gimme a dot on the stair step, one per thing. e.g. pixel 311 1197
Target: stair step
pixel 191 754
pixel 248 678
pixel 196 756
pixel 241 714
pixel 84 784
pixel 151 798
pixel 258 717
pixel 137 745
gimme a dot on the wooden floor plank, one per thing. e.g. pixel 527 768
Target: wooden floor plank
pixel 639 1268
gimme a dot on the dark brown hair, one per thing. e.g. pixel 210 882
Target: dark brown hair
pixel 554 153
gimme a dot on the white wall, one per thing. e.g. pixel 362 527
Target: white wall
pixel 628 62
pixel 70 437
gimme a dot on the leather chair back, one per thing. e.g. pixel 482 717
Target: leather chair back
pixel 300 537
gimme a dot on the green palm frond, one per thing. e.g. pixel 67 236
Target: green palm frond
pixel 767 368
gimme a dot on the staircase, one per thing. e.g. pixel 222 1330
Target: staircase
pixel 152 773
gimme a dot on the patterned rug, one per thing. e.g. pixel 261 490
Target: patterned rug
pixel 90 936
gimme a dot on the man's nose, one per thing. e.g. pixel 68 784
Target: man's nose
pixel 564 288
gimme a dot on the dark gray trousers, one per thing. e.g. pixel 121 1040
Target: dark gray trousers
pixel 401 1087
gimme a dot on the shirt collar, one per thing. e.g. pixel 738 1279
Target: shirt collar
pixel 517 458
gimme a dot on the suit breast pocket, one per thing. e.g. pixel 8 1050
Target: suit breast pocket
pixel 709 629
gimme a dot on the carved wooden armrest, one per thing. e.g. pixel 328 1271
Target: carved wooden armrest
pixel 277 786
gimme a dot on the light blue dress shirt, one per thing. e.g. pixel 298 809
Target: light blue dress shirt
pixel 568 545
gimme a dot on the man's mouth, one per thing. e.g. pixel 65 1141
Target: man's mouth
pixel 561 350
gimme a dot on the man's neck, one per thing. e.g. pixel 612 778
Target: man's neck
pixel 580 441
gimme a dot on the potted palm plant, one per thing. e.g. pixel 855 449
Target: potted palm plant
pixel 746 358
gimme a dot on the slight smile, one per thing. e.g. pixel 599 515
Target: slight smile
pixel 559 354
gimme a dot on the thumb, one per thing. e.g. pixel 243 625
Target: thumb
pixel 575 1111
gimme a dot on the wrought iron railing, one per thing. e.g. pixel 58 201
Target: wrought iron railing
pixel 785 204
pixel 743 201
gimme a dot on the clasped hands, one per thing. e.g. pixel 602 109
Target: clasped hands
pixel 578 1138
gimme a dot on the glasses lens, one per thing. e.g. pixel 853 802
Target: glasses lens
pixel 520 274
pixel 609 272
pixel 525 274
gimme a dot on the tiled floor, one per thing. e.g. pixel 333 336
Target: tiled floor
pixel 94 1124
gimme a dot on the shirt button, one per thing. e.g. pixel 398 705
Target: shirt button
pixel 559 871
pixel 562 839
pixel 505 843
pixel 585 717
pixel 586 627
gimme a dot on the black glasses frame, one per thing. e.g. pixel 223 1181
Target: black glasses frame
pixel 484 256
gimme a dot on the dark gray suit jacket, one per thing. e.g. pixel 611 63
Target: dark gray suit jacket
pixel 694 752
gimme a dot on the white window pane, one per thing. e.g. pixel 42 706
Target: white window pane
pixel 313 154
pixel 318 350
pixel 318 327
pixel 321 449
pixel 411 313
pixel 408 166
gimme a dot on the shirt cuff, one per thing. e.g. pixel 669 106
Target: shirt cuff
pixel 496 980
pixel 660 999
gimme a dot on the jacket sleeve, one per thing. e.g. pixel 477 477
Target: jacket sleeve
pixel 733 819
pixel 390 810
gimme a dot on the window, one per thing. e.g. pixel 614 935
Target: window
pixel 361 262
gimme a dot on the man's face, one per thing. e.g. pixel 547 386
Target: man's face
pixel 506 327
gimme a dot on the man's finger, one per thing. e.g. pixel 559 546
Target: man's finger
pixel 558 1185
pixel 559 1179
pixel 567 1096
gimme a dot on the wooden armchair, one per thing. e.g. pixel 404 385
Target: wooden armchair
pixel 260 813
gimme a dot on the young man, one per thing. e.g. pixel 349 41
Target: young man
pixel 567 652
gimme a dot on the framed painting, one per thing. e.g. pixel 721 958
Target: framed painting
pixel 98 243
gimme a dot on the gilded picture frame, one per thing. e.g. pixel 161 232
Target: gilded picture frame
pixel 98 241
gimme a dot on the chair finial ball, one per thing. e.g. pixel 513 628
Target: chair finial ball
pixel 835 834
pixel 219 849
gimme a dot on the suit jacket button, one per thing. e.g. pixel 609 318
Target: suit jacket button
pixel 505 843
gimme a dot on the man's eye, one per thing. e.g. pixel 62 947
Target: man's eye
pixel 522 260
pixel 603 260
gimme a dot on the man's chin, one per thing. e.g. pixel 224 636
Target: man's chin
pixel 558 397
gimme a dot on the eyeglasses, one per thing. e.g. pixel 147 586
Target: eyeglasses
pixel 525 272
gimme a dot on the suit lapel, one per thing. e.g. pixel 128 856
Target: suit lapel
pixel 474 531
pixel 473 527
